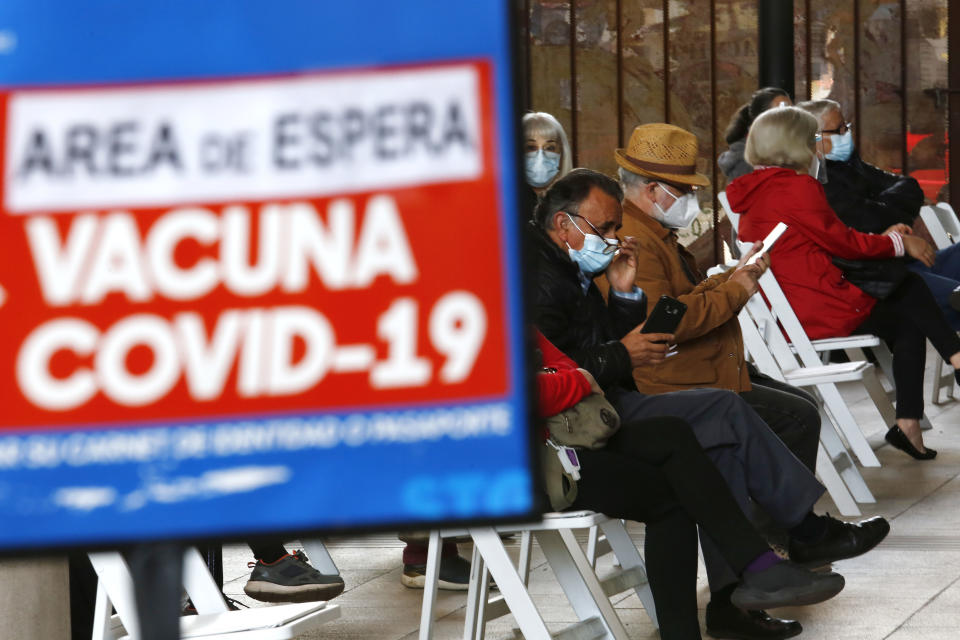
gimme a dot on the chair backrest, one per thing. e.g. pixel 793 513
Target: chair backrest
pixel 767 322
pixel 734 217
pixel 785 316
pixel 942 223
pixel 948 218
pixel 755 347
pixel 739 248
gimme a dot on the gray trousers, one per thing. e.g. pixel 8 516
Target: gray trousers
pixel 756 464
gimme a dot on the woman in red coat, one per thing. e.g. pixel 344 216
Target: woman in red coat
pixel 781 147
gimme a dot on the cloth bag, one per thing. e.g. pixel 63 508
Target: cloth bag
pixel 589 424
pixel 876 278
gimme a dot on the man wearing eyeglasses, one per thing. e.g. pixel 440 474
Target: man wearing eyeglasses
pixel 871 200
pixel 575 238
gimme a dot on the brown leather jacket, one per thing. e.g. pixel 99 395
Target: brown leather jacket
pixel 709 344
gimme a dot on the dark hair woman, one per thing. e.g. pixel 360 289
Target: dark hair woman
pixel 731 162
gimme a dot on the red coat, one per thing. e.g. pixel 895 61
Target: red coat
pixel 824 301
pixel 561 390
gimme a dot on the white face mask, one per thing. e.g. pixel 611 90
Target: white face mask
pixel 681 213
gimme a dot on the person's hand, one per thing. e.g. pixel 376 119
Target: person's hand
pixel 748 275
pixel 900 228
pixel 622 272
pixel 594 387
pixel 757 246
pixel 917 247
pixel 647 348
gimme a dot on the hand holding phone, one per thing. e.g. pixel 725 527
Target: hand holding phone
pixel 769 241
pixel 665 317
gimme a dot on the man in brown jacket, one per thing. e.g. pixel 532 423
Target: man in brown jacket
pixel 659 180
pixel 658 200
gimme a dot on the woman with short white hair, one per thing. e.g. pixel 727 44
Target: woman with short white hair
pixel 546 153
pixel 781 146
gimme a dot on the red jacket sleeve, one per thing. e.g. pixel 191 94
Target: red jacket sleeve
pixel 561 390
pixel 812 216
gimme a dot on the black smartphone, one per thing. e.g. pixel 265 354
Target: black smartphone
pixel 665 317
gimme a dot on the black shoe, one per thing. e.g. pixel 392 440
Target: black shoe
pixel 785 584
pixel 842 540
pixel 899 440
pixel 730 622
pixel 291 579
pixel 454 575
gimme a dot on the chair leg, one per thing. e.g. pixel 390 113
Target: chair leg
pixel 837 408
pixel 834 484
pixel 482 604
pixel 879 396
pixel 937 379
pixel 474 623
pixel 842 462
pixel 593 536
pixel 511 586
pixel 430 586
pixel 578 580
pixel 102 615
pixel 523 563
pixel 320 557
pixel 629 558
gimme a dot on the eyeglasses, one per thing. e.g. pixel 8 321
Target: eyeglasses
pixel 692 189
pixel 611 245
pixel 842 129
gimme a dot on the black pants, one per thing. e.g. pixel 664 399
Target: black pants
pixel 791 413
pixel 906 319
pixel 757 466
pixel 157 571
pixel 655 471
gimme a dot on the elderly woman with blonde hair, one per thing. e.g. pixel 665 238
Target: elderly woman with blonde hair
pixel 546 153
pixel 782 147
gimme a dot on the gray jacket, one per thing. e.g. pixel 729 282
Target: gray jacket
pixel 731 161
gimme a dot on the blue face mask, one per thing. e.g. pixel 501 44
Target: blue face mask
pixel 842 147
pixel 591 258
pixel 542 167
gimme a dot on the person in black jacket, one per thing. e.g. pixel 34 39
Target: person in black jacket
pixel 572 239
pixel 871 200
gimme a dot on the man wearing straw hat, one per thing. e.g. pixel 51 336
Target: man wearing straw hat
pixel 658 175
pixel 660 182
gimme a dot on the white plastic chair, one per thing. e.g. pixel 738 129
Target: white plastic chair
pixel 835 467
pixel 214 621
pixel 736 247
pixel 808 355
pixel 944 228
pixel 319 557
pixel 588 595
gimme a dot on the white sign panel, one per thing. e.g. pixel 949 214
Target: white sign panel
pixel 287 137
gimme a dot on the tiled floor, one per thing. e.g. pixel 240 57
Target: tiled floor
pixel 908 588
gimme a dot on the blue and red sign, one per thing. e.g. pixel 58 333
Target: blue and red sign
pixel 266 281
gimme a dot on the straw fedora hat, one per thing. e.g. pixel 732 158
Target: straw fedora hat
pixel 663 152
